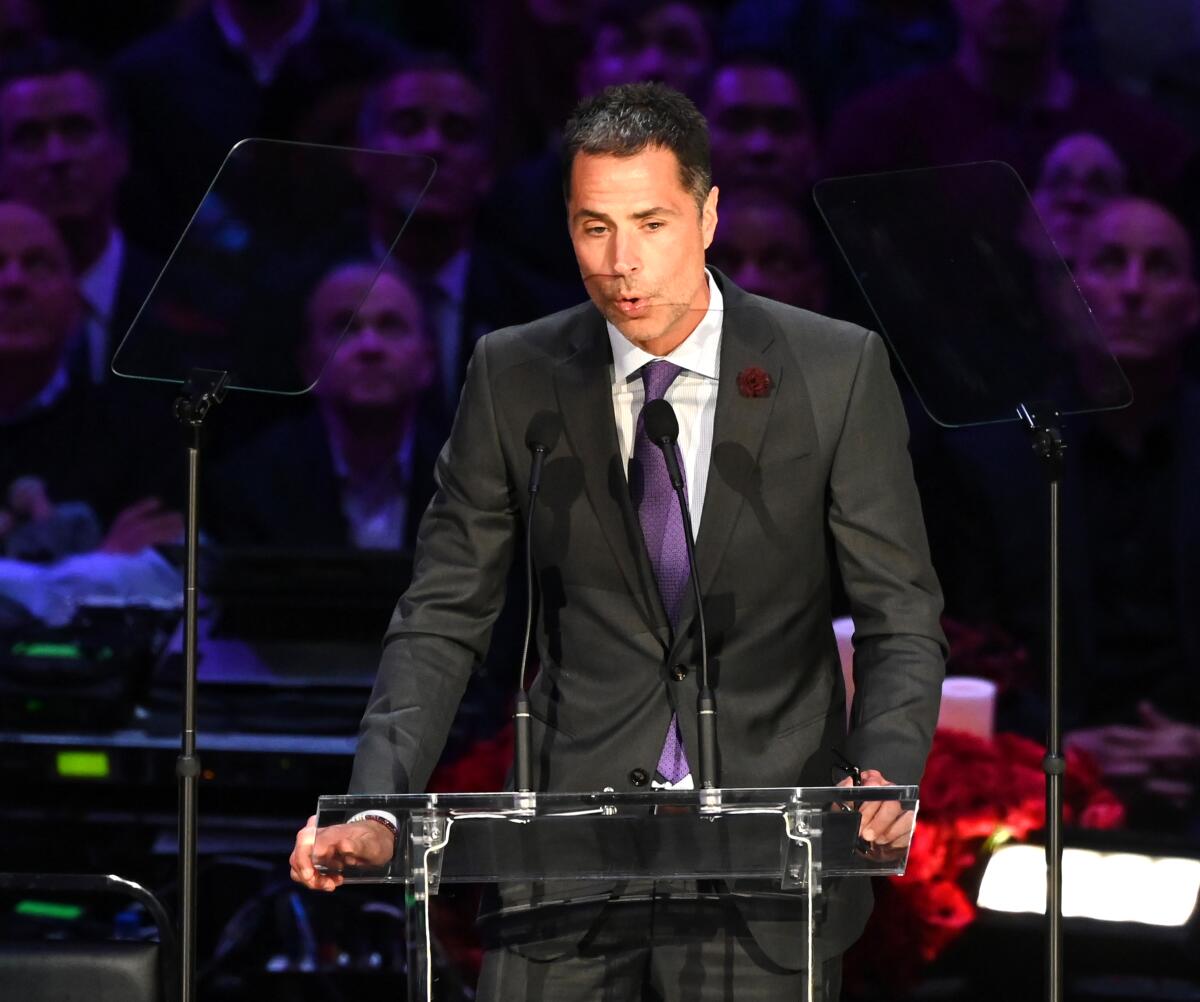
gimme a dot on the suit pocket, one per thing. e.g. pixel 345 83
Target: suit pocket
pixel 790 728
pixel 546 713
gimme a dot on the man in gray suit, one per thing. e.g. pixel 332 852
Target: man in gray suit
pixel 793 446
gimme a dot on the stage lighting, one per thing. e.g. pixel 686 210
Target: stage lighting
pixel 1107 886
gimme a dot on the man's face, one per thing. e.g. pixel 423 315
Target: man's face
pixel 766 248
pixel 640 239
pixel 762 132
pixel 385 361
pixel 1135 271
pixel 1010 26
pixel 1079 174
pixel 58 150
pixel 670 45
pixel 437 114
pixel 39 305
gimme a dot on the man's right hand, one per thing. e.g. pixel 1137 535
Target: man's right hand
pixel 359 843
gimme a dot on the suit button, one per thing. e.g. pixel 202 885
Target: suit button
pixel 638 777
pixel 679 672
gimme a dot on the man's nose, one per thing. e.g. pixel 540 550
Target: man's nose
pixel 626 257
pixel 431 140
pixel 57 148
pixel 13 279
pixel 760 142
pixel 1133 280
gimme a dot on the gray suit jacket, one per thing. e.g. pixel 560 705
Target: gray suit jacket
pixel 817 468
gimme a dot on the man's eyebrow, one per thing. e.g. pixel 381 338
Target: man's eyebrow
pixel 586 213
pixel 656 210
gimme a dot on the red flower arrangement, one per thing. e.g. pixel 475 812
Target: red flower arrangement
pixel 975 795
pixel 754 382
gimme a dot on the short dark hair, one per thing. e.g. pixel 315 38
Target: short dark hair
pixel 624 120
pixel 52 58
pixel 370 115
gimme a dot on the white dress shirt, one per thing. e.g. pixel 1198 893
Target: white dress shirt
pixel 693 394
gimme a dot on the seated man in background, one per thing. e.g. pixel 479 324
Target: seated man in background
pixel 63 150
pixel 1140 470
pixel 1130 538
pixel 1078 176
pixel 466 283
pixel 766 245
pixel 763 130
pixel 357 471
pixel 81 443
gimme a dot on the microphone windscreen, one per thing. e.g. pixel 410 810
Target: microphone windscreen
pixel 661 423
pixel 543 431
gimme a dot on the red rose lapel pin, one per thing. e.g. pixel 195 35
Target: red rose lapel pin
pixel 754 382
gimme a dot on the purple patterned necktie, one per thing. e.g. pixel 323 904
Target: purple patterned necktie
pixel 662 528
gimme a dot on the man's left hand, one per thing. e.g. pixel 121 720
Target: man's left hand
pixel 883 823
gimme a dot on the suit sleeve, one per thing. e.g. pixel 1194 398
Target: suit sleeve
pixel 443 623
pixel 895 599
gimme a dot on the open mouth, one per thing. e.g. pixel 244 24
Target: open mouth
pixel 632 306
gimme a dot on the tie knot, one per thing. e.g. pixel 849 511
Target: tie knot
pixel 657 376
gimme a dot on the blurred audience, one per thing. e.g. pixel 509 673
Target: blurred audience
pixel 63 150
pixel 78 442
pixel 762 129
pixel 468 285
pixel 842 47
pixel 277 69
pixel 22 23
pixel 766 245
pixel 357 471
pixel 665 40
pixel 1131 542
pixel 1006 95
pixel 1079 174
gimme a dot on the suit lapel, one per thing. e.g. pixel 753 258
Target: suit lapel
pixel 747 341
pixel 584 388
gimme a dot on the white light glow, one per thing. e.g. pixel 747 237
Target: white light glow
pixel 1110 886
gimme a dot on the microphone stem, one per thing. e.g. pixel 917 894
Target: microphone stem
pixel 522 764
pixel 706 703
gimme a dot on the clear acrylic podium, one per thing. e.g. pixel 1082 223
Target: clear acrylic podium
pixel 784 840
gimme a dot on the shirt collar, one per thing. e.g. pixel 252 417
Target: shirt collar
pixel 98 284
pixel 451 277
pixel 264 63
pixel 699 353
pixel 402 459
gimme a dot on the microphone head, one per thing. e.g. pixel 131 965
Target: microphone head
pixel 662 426
pixel 543 431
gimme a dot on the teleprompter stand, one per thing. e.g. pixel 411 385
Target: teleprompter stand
pixel 277 218
pixel 984 317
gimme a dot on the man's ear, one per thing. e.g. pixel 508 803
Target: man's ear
pixel 708 216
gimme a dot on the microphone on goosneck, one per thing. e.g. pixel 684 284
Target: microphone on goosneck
pixel 662 428
pixel 541 437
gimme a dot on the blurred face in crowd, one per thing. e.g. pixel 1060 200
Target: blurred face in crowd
pixel 386 360
pixel 669 44
pixel 1135 271
pixel 1079 175
pixel 762 131
pixel 58 149
pixel 39 305
pixel 764 244
pixel 640 239
pixel 1010 27
pixel 439 114
pixel 20 23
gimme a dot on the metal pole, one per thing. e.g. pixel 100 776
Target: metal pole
pixel 203 389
